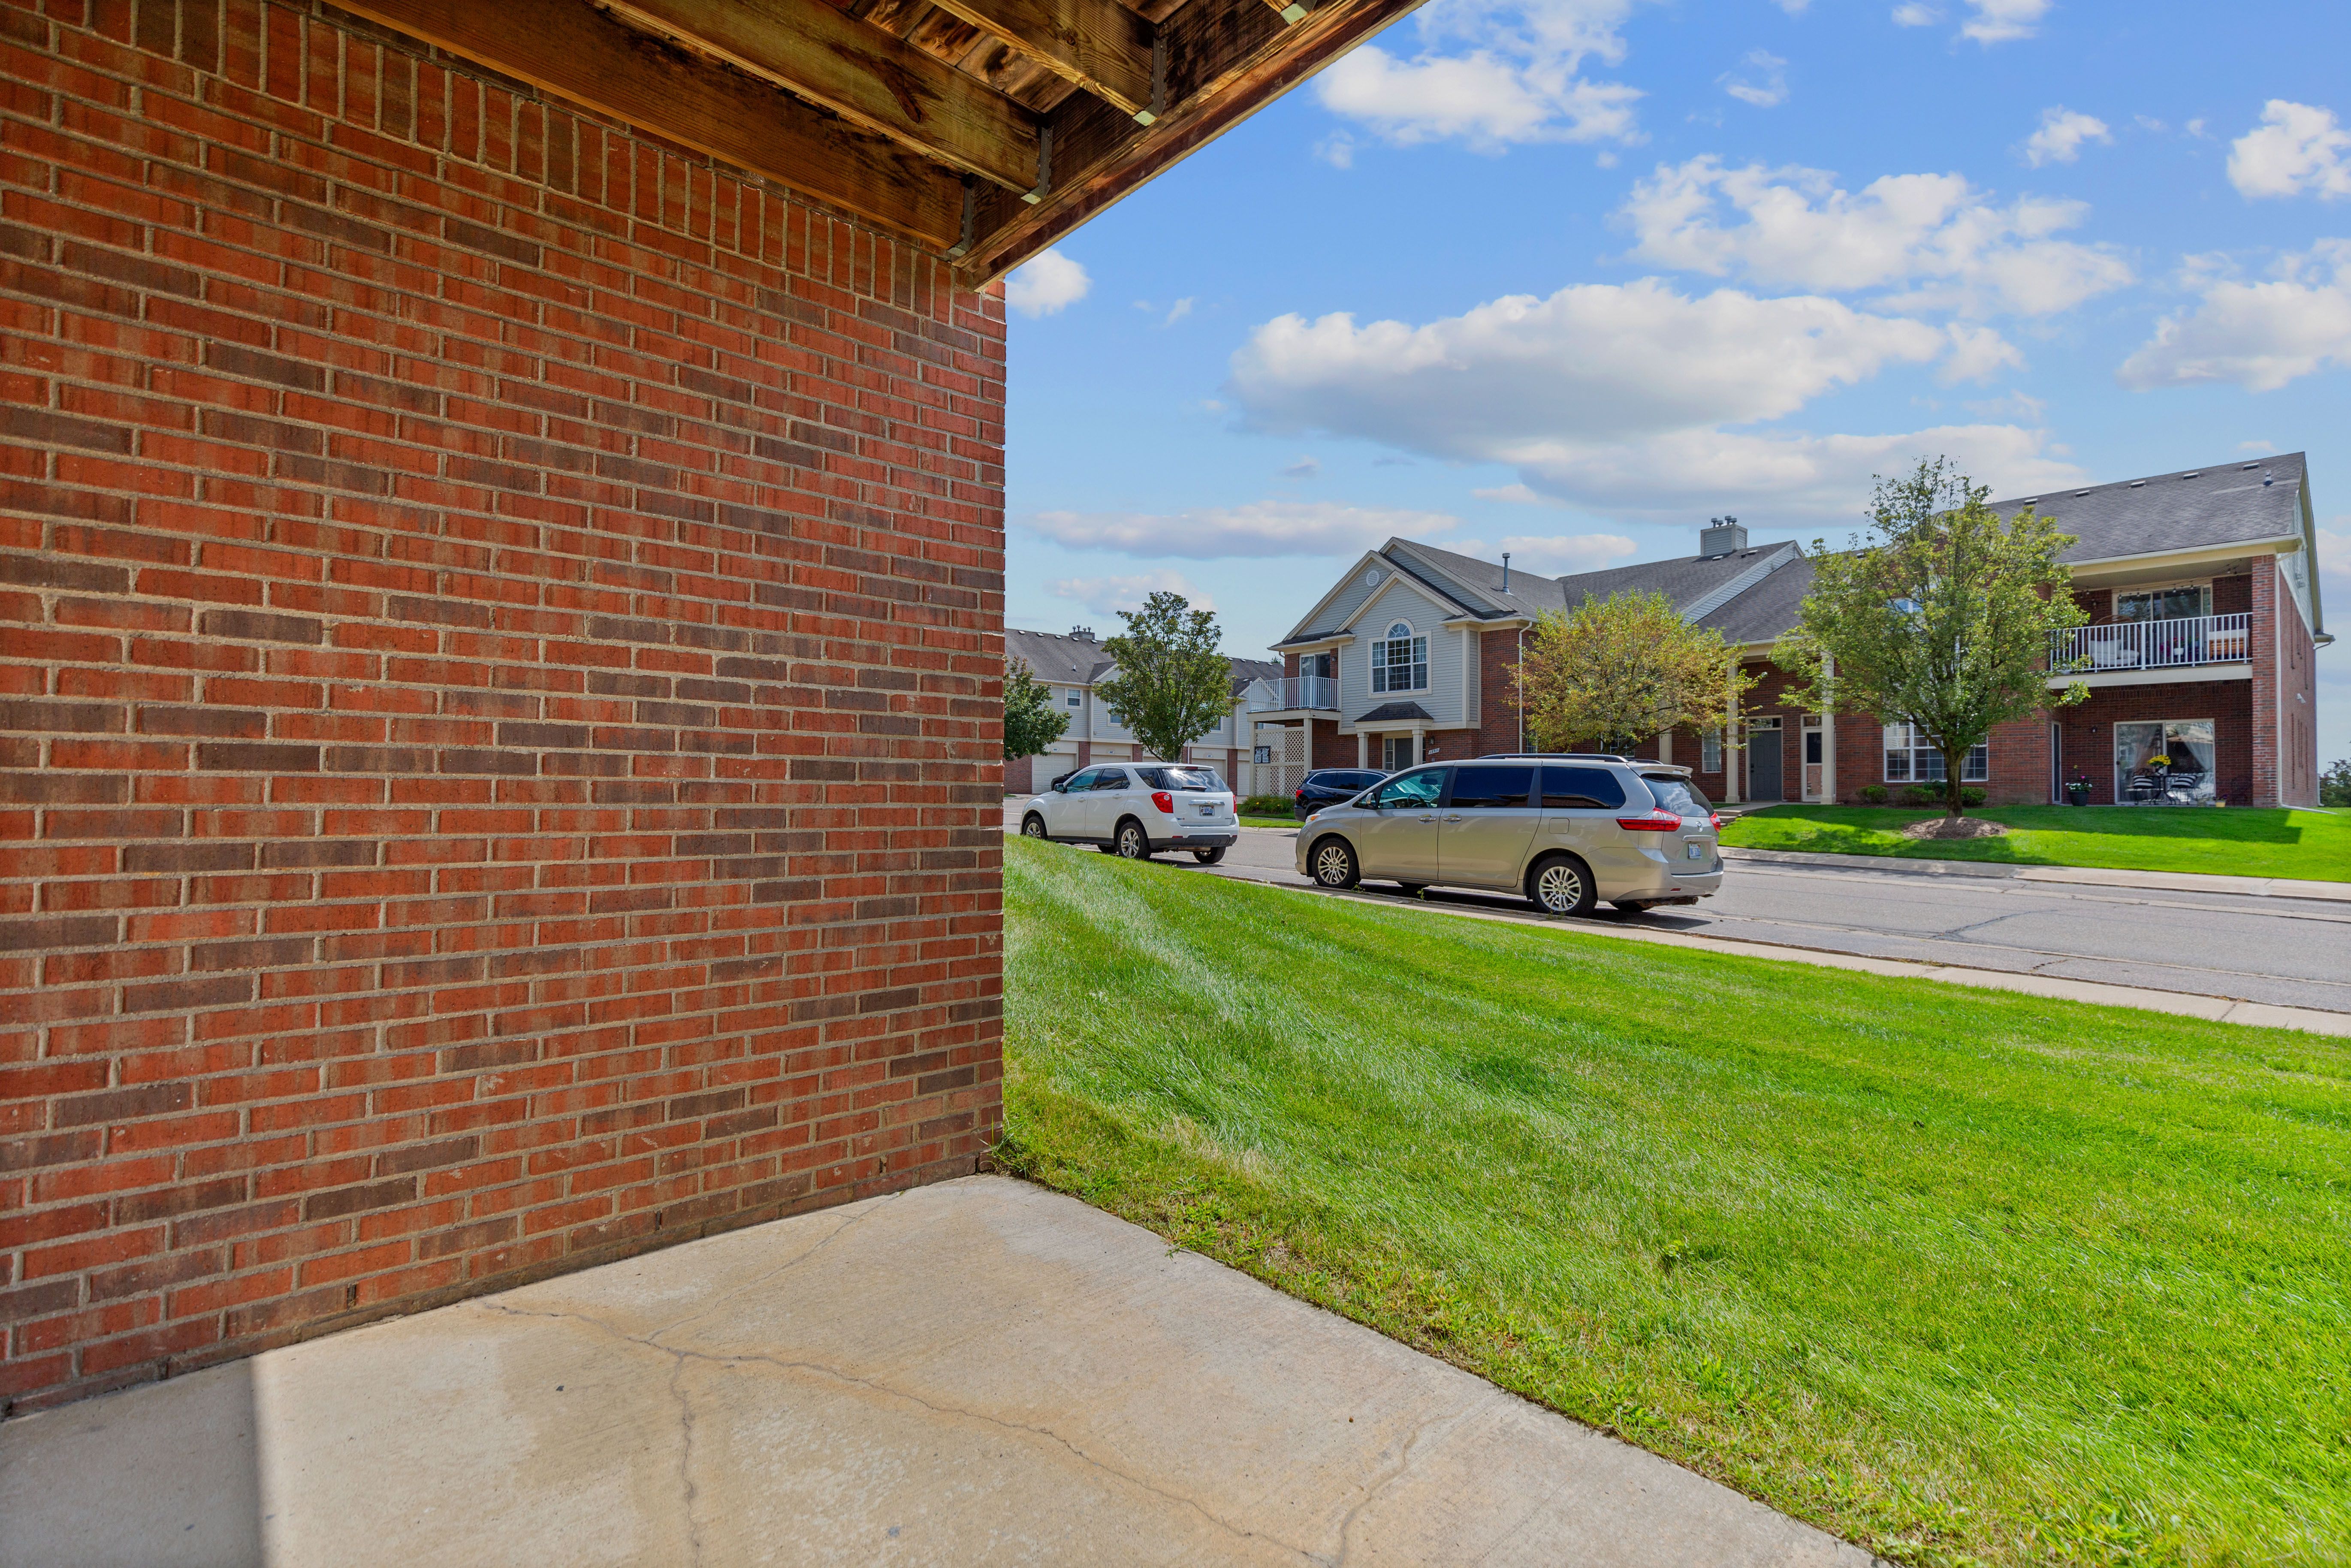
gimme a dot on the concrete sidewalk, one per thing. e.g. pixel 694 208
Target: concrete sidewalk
pixel 2096 876
pixel 978 1372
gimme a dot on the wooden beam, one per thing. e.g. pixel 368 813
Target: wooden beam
pixel 1100 45
pixel 579 53
pixel 862 73
pixel 1225 62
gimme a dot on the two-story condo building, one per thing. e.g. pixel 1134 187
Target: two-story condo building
pixel 1072 664
pixel 2200 586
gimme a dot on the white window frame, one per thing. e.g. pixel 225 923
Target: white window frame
pixel 1709 751
pixel 2204 586
pixel 1903 740
pixel 1415 664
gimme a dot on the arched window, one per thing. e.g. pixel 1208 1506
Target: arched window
pixel 1400 661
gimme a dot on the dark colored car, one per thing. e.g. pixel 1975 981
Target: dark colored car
pixel 1327 786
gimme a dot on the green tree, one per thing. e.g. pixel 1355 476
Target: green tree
pixel 2334 783
pixel 1172 684
pixel 1032 721
pixel 1618 670
pixel 1940 615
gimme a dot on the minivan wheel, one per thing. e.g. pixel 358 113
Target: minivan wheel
pixel 1333 864
pixel 1209 856
pixel 1562 885
pixel 1132 843
pixel 1032 826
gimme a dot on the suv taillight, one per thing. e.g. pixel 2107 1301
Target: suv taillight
pixel 1163 801
pixel 1653 822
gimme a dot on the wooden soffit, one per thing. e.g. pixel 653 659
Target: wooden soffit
pixel 986 130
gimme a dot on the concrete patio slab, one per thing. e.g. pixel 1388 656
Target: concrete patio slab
pixel 977 1372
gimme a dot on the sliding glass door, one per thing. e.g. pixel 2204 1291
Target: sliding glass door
pixel 2164 762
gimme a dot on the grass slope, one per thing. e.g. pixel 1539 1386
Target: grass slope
pixel 2309 845
pixel 1962 1276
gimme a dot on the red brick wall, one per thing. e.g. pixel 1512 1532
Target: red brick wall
pixel 2265 637
pixel 497 749
pixel 2089 731
pixel 2297 678
pixel 1497 694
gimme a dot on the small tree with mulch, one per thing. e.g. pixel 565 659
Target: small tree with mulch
pixel 1619 670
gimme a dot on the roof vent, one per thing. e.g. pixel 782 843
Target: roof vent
pixel 2137 483
pixel 1083 633
pixel 2248 468
pixel 1721 535
pixel 2079 494
pixel 2198 475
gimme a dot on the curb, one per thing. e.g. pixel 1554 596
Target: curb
pixel 2098 876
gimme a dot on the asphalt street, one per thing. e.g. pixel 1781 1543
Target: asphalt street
pixel 2263 948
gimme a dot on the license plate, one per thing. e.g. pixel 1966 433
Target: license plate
pixel 1207 811
pixel 1693 851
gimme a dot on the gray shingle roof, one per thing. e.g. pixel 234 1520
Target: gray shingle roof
pixel 2187 509
pixel 1396 713
pixel 1073 661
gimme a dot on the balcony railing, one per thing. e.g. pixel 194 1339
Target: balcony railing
pixel 2150 644
pixel 1293 693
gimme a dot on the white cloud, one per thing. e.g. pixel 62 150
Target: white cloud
pixel 2297 150
pixel 1304 468
pixel 1783 478
pixel 1045 283
pixel 1338 149
pixel 1795 8
pixel 1762 80
pixel 1616 397
pixel 1935 233
pixel 1999 21
pixel 1608 361
pixel 1512 495
pixel 1978 353
pixel 2334 564
pixel 2259 335
pixel 1911 14
pixel 1177 311
pixel 1489 73
pixel 1109 595
pixel 2256 448
pixel 1556 555
pixel 1259 529
pixel 2062 131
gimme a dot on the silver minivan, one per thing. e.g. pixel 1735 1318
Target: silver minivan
pixel 1566 830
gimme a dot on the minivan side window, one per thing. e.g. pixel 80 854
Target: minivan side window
pixel 1489 788
pixel 1411 789
pixel 1565 788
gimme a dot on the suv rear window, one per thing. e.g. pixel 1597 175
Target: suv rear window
pixel 1179 778
pixel 1566 787
pixel 1675 794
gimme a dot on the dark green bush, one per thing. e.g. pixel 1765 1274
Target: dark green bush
pixel 1872 794
pixel 1267 806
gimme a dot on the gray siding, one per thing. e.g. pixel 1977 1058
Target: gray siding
pixel 1335 614
pixel 1401 600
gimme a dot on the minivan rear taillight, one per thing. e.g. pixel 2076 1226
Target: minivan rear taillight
pixel 1654 822
pixel 1163 801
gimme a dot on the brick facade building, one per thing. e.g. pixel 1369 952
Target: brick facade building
pixel 2200 586
pixel 502 604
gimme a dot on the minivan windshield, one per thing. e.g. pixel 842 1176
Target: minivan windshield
pixel 1180 779
pixel 1675 794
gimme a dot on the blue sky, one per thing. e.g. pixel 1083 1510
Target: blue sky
pixel 1570 277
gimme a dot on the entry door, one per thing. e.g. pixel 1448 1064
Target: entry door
pixel 1813 767
pixel 1763 760
pixel 1395 753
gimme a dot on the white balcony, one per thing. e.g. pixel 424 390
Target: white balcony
pixel 2183 643
pixel 1294 694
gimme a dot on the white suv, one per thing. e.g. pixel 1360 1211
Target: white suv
pixel 1135 810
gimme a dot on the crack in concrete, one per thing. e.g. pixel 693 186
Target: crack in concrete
pixel 1394 1474
pixel 685 1458
pixel 680 1358
pixel 780 1270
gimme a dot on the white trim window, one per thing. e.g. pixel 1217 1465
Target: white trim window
pixel 1709 751
pixel 1912 758
pixel 1400 661
pixel 2164 601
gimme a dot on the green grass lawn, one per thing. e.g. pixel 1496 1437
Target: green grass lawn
pixel 2226 842
pixel 1269 821
pixel 1962 1276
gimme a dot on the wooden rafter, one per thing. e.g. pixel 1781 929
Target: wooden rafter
pixel 1226 63
pixel 862 73
pixel 1100 45
pixel 571 49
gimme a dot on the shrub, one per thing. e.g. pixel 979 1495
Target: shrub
pixel 1921 795
pixel 1872 794
pixel 1267 806
pixel 1970 796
